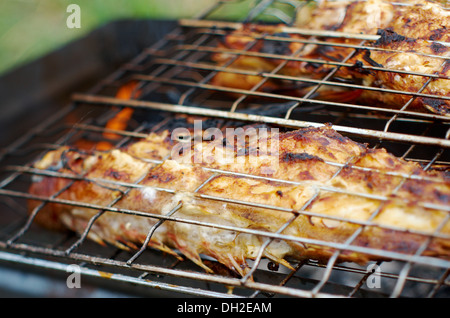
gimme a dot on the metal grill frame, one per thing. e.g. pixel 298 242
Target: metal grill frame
pixel 165 71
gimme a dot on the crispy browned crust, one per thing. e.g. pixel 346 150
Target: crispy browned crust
pixel 422 20
pixel 311 158
pixel 416 56
pixel 408 36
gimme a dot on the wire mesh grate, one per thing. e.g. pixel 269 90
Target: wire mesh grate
pixel 175 81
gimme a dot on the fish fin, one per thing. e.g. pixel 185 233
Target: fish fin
pixel 237 264
pixel 278 260
pixel 195 257
pixel 164 248
pixel 121 245
pixel 190 252
pixel 129 244
pixel 96 238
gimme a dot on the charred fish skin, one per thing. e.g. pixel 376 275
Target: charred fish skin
pixel 335 181
pixel 409 51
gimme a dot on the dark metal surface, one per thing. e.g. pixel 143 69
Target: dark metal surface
pixel 33 92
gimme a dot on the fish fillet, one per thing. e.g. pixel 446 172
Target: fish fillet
pixel 411 40
pixel 327 184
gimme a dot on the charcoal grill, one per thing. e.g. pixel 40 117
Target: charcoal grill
pixel 173 75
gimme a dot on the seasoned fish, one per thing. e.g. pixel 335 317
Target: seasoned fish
pixel 412 40
pixel 313 186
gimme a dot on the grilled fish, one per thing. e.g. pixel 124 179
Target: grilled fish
pixel 313 186
pixel 410 44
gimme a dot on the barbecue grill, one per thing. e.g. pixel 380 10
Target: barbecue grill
pixel 173 76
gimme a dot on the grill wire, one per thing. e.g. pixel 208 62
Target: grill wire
pixel 174 77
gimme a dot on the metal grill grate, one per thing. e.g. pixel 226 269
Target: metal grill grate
pixel 174 77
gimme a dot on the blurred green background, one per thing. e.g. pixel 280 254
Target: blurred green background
pixel 31 28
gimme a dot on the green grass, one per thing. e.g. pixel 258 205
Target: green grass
pixel 31 28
